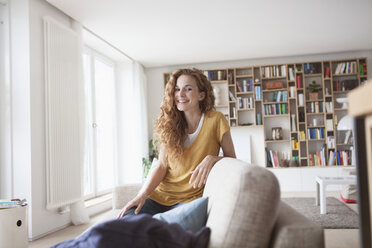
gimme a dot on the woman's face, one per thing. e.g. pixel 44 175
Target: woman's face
pixel 187 94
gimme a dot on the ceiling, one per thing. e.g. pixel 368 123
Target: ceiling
pixel 174 32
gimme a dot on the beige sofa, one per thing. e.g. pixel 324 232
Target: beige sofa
pixel 245 210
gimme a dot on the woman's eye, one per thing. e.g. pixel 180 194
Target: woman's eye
pixel 189 89
pixel 177 89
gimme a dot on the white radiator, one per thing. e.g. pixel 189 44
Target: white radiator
pixel 64 163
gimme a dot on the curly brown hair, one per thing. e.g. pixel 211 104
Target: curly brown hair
pixel 170 126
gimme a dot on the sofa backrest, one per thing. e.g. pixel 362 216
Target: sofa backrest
pixel 243 204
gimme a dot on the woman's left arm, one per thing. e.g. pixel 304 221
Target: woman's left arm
pixel 201 172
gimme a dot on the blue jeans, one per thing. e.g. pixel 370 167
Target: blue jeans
pixel 151 207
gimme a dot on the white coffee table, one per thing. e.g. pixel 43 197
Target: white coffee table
pixel 323 182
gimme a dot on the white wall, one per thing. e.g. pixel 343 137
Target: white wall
pixel 5 106
pixel 43 220
pixel 20 102
pixel 28 116
pixel 155 93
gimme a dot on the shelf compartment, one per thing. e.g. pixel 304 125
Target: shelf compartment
pixel 244 76
pixel 219 82
pixel 345 74
pixel 246 109
pixel 244 93
pixel 270 78
pixel 276 141
pixel 315 113
pixel 313 75
pixel 281 89
pixel 283 115
pixel 275 102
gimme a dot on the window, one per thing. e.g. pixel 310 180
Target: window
pixel 99 75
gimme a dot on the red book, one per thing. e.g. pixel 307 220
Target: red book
pixel 298 77
pixel 328 72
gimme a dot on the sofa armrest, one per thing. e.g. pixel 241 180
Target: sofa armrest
pixel 294 230
pixel 122 194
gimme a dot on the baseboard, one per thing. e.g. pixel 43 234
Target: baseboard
pixel 49 232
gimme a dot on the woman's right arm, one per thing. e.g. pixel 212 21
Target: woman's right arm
pixel 156 176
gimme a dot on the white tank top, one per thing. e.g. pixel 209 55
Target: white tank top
pixel 191 137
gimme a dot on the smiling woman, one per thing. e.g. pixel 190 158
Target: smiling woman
pixel 190 134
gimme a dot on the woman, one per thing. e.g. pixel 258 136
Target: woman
pixel 190 136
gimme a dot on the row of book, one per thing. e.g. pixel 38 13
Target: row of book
pixel 276 109
pixel 346 67
pixel 311 68
pixel 280 96
pixel 274 71
pixel 316 133
pixel 245 102
pixel 315 107
pixel 344 85
pixel 317 158
pixel 245 85
pixel 275 158
pixel 12 203
pixel 215 75
pixel 257 92
pixel 341 157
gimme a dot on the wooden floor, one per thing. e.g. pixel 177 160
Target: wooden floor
pixel 334 238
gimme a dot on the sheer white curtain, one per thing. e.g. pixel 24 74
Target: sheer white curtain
pixel 132 122
pixel 78 212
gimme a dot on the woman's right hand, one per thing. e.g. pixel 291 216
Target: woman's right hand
pixel 137 201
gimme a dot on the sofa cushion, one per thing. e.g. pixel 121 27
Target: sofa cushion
pixel 191 215
pixel 293 230
pixel 243 204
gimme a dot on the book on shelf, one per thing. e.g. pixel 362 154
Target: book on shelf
pixel 327 71
pixel 298 81
pixel 275 109
pixel 331 142
pixel 273 158
pixel 257 92
pixel 346 68
pixel 245 102
pixel 230 77
pixel 291 74
pixel 348 138
pixel 329 125
pixel 329 107
pixel 232 97
pixel 280 96
pixel 331 158
pixel 344 157
pixel 314 107
pixel 318 158
pixel 301 135
pixel 245 85
pixel 315 133
pixel 274 71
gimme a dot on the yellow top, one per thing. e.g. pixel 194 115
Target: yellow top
pixel 175 187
